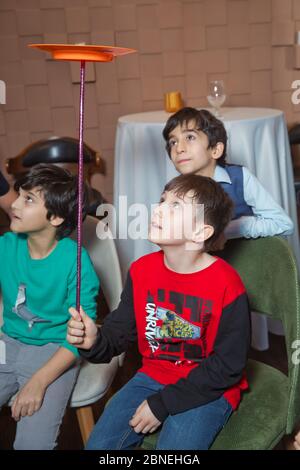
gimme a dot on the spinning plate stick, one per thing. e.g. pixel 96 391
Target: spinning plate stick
pixel 82 53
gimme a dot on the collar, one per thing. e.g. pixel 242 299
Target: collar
pixel 221 175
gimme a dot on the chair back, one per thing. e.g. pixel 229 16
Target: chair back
pixel 104 256
pixel 269 271
pixel 94 380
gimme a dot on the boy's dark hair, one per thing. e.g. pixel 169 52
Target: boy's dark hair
pixel 205 122
pixel 218 205
pixel 60 192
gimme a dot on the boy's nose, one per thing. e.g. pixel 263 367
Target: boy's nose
pixel 157 213
pixel 16 204
pixel 180 146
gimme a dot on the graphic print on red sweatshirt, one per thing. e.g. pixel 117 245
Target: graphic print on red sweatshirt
pixel 178 333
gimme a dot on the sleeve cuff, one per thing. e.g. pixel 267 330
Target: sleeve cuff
pixel 157 407
pixel 71 348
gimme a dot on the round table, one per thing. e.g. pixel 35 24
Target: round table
pixel 257 139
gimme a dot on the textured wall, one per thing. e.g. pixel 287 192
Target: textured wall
pixel 182 45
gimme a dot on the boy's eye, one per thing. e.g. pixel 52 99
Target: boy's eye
pixel 172 142
pixel 28 199
pixel 190 137
pixel 176 204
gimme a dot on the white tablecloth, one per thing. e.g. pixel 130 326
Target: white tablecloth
pixel 257 139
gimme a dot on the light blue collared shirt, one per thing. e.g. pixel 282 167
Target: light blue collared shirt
pixel 269 218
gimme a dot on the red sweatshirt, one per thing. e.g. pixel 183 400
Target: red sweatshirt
pixel 193 332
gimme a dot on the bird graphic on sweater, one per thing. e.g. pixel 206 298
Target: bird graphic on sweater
pixel 23 311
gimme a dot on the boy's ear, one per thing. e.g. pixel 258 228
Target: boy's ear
pixel 56 221
pixel 202 234
pixel 217 150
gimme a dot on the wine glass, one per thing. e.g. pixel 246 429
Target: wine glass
pixel 216 96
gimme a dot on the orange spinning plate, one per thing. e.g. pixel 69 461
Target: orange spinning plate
pixel 83 52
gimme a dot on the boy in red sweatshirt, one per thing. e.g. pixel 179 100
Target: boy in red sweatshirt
pixel 189 312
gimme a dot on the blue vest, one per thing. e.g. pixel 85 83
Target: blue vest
pixel 236 190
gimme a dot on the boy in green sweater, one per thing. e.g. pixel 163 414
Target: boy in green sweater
pixel 38 285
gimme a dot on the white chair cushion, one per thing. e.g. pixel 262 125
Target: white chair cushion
pixel 93 382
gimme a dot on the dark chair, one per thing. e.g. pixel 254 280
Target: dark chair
pixel 61 151
pixel 271 407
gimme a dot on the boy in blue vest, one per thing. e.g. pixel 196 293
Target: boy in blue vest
pixel 38 367
pixel 196 143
